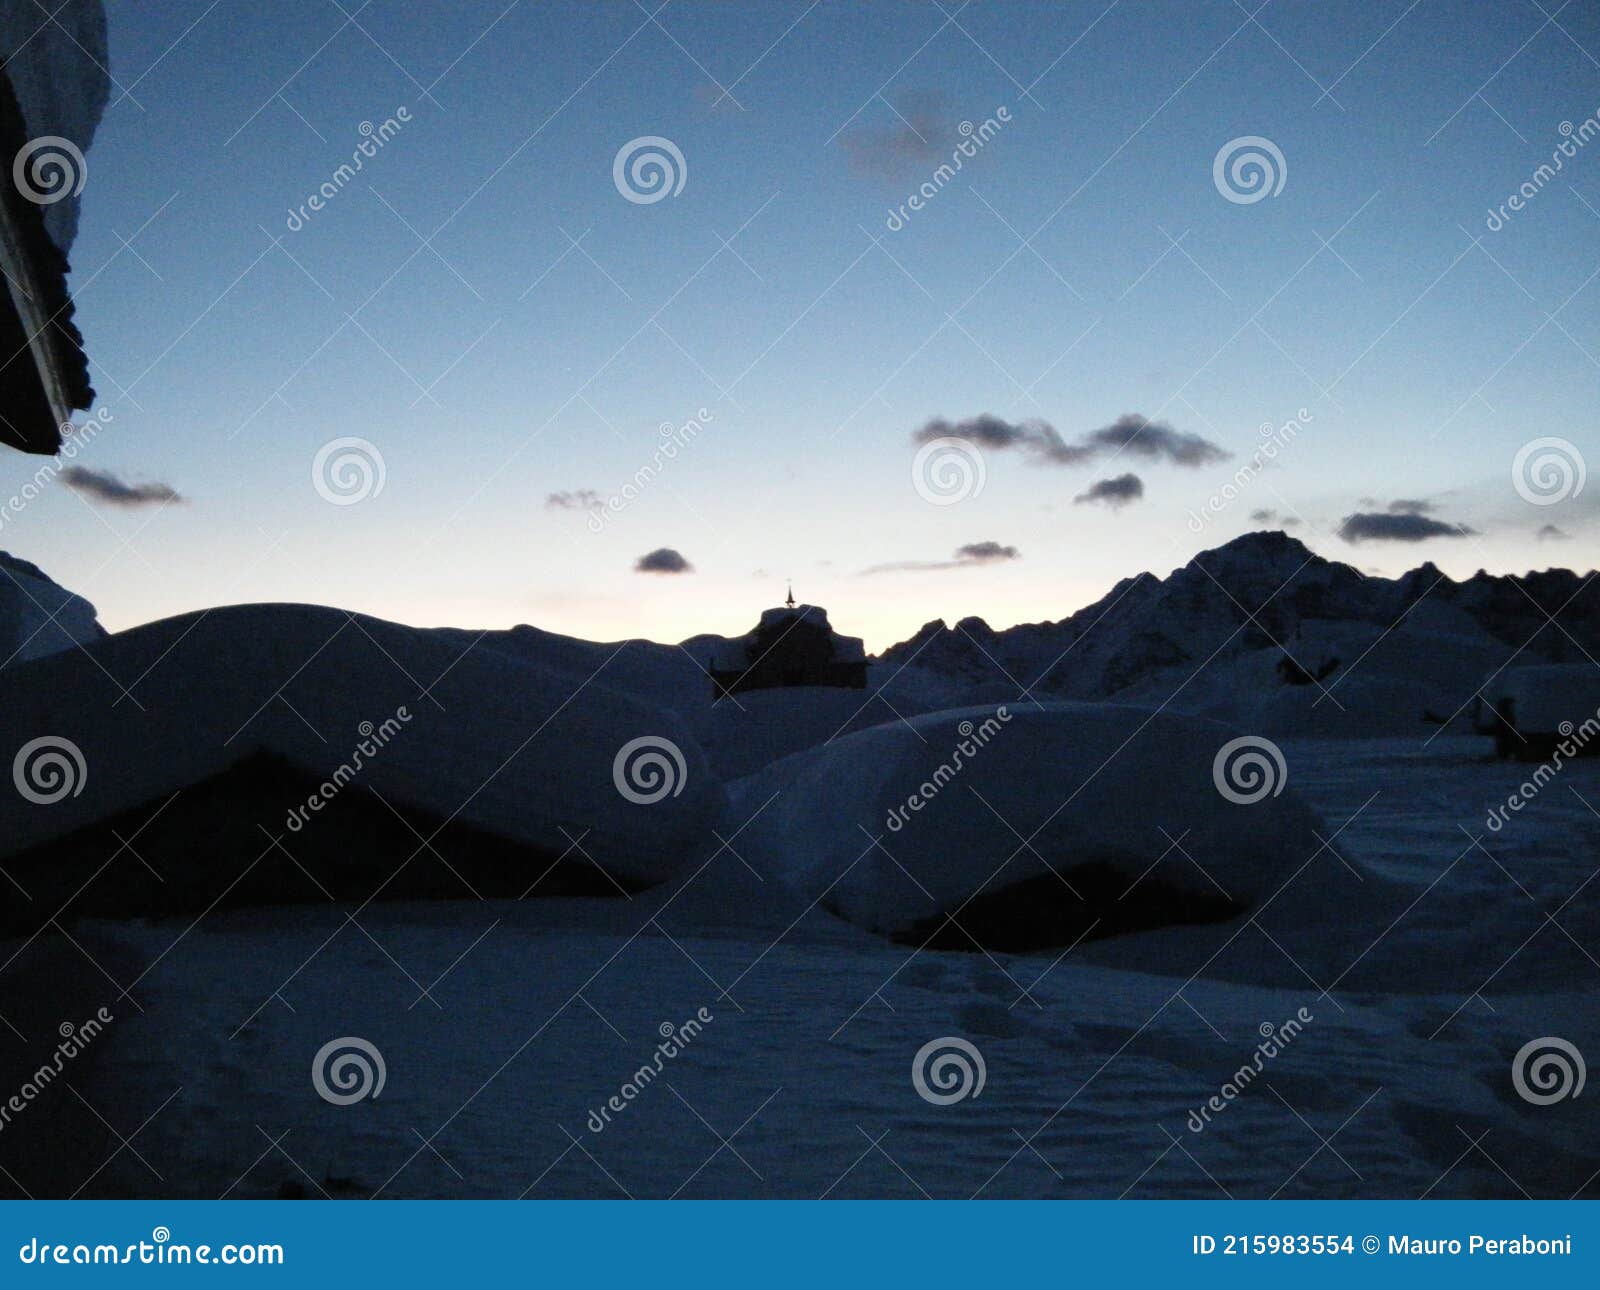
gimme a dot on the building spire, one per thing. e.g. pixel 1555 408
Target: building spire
pixel 790 601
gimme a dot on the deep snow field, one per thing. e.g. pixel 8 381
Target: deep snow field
pixel 505 1026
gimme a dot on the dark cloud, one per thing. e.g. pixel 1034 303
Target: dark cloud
pixel 1115 493
pixel 1390 526
pixel 1410 506
pixel 1273 517
pixel 662 560
pixel 1155 441
pixel 103 486
pixel 1550 533
pixel 966 557
pixel 986 430
pixel 582 499
pixel 1129 433
pixel 986 551
pixel 918 135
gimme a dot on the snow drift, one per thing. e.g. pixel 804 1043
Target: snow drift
pixel 37 617
pixel 1093 807
pixel 1551 699
pixel 527 753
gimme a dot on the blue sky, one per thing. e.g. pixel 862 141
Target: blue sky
pixel 484 307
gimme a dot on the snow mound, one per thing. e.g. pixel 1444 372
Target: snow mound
pixel 751 730
pixel 897 826
pixel 37 617
pixel 532 754
pixel 1551 699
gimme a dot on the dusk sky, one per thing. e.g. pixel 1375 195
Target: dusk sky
pixel 486 306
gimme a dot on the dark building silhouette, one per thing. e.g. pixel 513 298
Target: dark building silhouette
pixel 791 646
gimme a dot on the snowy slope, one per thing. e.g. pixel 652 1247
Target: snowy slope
pixel 1402 646
pixel 523 751
pixel 913 820
pixel 536 1013
pixel 37 617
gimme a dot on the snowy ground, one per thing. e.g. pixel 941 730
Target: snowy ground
pixel 504 1025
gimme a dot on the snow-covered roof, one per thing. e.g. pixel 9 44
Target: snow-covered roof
pixel 37 617
pixel 950 795
pixel 1548 696
pixel 524 751
pixel 736 652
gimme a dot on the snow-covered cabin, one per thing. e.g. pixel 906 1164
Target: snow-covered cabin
pixel 276 754
pixel 53 89
pixel 1534 711
pixel 792 645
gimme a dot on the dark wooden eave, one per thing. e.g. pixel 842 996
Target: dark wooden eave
pixel 44 373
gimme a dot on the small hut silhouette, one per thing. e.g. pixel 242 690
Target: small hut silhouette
pixel 792 645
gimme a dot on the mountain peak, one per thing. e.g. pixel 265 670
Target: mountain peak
pixel 1272 545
